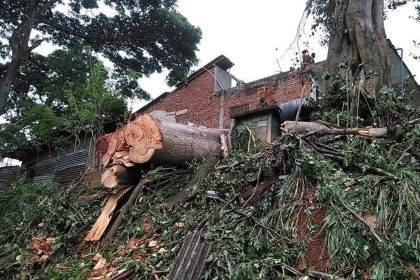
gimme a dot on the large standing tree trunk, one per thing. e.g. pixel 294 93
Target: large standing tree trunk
pixel 359 40
pixel 20 49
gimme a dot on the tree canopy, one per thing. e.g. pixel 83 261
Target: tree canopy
pixel 72 99
pixel 144 36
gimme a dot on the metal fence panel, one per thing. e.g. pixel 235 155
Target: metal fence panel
pixel 8 176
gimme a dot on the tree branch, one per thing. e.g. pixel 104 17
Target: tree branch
pixel 34 46
pixel 378 238
pixel 308 129
pixel 48 4
pixel 323 275
pixel 363 167
pixel 86 35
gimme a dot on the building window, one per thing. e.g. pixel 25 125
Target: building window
pixel 237 110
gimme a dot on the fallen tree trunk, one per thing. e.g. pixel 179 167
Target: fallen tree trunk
pixel 182 143
pixel 319 129
pixel 150 140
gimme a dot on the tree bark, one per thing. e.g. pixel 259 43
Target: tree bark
pixel 19 43
pixel 182 143
pixel 20 49
pixel 358 40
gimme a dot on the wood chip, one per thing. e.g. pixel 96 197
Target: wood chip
pixel 179 225
pixel 162 250
pixel 152 243
pixel 97 257
pixel 133 243
pixel 369 219
pixel 349 183
pixel 100 265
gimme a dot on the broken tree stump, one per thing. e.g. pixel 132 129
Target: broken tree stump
pixel 151 140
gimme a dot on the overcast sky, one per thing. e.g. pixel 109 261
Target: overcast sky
pixel 249 32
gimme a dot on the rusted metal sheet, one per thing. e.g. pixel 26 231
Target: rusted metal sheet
pixel 191 260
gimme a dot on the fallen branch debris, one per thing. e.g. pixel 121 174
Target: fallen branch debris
pixel 104 219
pixel 308 129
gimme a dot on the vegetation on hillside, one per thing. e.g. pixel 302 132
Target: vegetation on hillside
pixel 340 205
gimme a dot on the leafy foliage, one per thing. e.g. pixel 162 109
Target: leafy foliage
pixel 68 101
pixel 349 105
pixel 143 36
pixel 29 210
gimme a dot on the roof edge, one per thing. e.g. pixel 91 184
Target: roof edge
pixel 220 61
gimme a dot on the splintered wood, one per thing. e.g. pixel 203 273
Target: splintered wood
pixel 147 140
pixel 102 222
pixel 134 143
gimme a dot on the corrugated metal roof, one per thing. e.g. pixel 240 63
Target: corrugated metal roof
pixel 8 176
pixel 70 175
pixel 72 160
pixel 71 167
pixel 63 169
pixel 191 260
pixel 43 178
pixel 44 167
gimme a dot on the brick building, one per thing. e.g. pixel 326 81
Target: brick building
pixel 207 97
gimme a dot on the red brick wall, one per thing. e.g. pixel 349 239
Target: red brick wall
pixel 197 97
pixel 203 104
pixel 273 90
